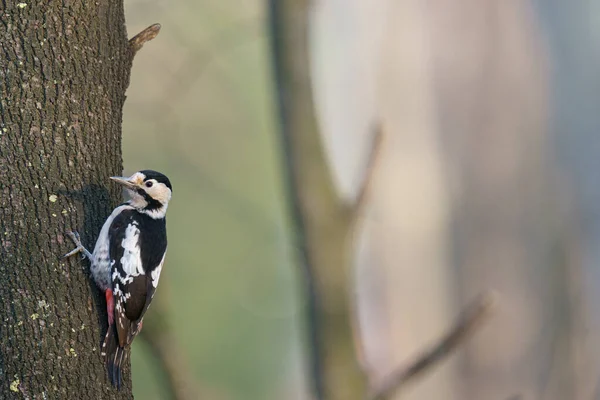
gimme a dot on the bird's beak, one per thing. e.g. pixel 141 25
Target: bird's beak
pixel 124 181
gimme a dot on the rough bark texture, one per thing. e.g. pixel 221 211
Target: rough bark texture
pixel 64 69
pixel 322 222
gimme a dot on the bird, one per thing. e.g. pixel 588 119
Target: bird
pixel 127 261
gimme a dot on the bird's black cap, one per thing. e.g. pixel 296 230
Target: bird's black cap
pixel 150 174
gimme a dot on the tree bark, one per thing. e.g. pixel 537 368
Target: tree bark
pixel 64 69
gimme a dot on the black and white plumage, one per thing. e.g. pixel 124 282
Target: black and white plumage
pixel 127 261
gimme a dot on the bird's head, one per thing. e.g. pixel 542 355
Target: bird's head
pixel 150 191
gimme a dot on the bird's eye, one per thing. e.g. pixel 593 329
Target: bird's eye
pixel 149 184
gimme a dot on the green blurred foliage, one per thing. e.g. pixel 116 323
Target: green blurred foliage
pixel 199 109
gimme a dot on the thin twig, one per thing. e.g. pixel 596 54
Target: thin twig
pixel 138 41
pixel 373 161
pixel 470 318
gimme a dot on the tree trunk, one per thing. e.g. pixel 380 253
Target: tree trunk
pixel 574 50
pixel 64 69
pixel 322 221
pixel 508 223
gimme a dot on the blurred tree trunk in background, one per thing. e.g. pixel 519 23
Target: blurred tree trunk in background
pixel 321 221
pixel 467 198
pixel 507 215
pixel 372 64
pixel 407 227
pixel 573 39
pixel 64 71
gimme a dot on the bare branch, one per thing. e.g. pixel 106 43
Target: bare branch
pixel 138 41
pixel 470 318
pixel 373 161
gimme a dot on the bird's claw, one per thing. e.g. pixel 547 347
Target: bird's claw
pixel 79 247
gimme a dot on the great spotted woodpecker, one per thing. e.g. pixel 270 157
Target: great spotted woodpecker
pixel 127 260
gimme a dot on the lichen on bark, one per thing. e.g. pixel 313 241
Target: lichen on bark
pixel 64 69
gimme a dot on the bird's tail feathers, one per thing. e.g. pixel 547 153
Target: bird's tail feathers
pixel 114 355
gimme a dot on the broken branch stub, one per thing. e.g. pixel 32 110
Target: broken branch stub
pixel 138 41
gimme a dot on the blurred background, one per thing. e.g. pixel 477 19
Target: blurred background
pixel 489 179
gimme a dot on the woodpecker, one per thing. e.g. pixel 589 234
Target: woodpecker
pixel 127 261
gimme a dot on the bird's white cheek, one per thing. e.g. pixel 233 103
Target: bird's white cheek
pixel 130 193
pixel 136 199
pixel 159 194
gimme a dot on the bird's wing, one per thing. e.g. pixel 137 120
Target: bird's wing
pixel 127 272
pixel 143 288
pixel 134 278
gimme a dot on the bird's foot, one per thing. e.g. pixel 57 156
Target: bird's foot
pixel 79 249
